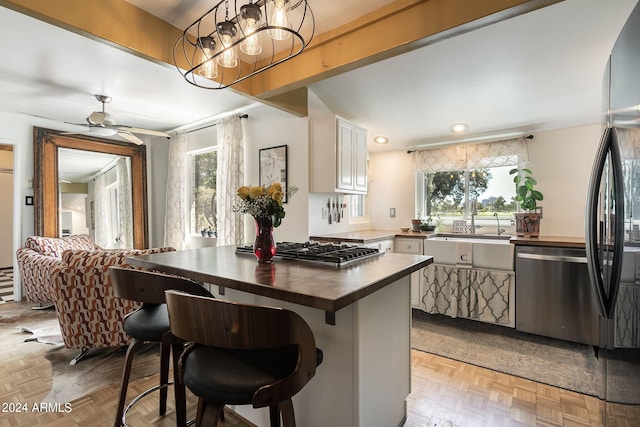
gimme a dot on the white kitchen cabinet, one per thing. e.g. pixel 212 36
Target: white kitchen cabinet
pixel 338 157
pixel 382 246
pixel 412 246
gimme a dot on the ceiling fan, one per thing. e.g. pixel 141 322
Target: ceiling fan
pixel 103 124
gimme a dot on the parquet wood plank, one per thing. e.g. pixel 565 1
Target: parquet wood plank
pixel 444 393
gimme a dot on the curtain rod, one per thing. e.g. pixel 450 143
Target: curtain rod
pixel 242 116
pixel 472 142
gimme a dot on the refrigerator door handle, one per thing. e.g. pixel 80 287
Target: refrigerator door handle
pixel 605 286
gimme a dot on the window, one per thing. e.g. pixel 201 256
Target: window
pixel 447 195
pixel 357 211
pixel 203 209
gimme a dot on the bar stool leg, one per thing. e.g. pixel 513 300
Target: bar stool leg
pixel 288 417
pixel 179 387
pixel 131 350
pixel 165 351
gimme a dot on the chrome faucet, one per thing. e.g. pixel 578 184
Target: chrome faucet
pixel 474 212
pixel 500 230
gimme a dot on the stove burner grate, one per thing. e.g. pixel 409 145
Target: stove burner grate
pixel 332 254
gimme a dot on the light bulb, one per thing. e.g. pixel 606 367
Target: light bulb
pixel 251 16
pixel 279 18
pixel 251 45
pixel 229 57
pixel 209 67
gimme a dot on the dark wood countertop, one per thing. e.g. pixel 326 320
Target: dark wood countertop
pixel 557 241
pixel 364 236
pixel 322 287
pixel 368 236
pixel 371 236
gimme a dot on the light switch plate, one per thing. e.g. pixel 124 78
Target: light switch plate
pixel 392 212
pixel 325 213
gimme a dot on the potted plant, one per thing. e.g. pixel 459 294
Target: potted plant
pixel 428 225
pixel 527 197
pixel 416 222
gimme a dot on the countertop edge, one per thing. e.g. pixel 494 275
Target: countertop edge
pixel 315 301
pixel 372 236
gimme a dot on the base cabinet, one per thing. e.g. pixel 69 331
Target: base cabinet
pixel 416 247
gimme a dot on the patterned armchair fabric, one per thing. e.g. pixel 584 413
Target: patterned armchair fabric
pixel 90 315
pixel 38 256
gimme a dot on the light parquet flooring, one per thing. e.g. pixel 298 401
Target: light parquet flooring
pixel 445 393
pixel 452 393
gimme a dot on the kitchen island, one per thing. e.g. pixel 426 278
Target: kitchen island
pixel 360 316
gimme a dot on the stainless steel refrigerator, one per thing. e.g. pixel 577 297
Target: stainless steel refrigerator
pixel 613 230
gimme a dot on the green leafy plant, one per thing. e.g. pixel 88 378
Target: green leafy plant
pixel 526 195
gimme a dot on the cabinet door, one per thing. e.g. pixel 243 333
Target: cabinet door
pixel 345 149
pixel 360 159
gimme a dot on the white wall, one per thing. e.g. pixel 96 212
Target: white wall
pixel 561 162
pixel 391 185
pixel 268 127
pixel 6 210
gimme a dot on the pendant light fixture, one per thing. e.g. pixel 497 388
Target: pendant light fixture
pixel 209 67
pixel 251 20
pixel 226 45
pixel 280 20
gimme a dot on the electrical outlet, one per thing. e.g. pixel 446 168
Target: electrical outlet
pixel 29 182
pixel 392 212
pixel 325 213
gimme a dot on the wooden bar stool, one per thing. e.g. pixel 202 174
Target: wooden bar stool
pixel 241 354
pixel 150 323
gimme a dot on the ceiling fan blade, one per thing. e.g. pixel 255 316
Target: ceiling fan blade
pixel 77 133
pixel 144 131
pixel 130 137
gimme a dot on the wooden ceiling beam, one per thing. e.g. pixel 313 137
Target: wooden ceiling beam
pixel 389 31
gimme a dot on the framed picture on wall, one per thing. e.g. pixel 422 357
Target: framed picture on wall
pixel 273 166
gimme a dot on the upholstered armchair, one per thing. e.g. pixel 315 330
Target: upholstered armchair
pixel 36 259
pixel 90 315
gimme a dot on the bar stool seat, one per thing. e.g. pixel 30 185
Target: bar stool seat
pixel 149 324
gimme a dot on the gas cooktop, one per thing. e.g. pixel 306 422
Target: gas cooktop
pixel 330 254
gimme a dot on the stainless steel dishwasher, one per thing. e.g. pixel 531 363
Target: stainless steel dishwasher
pixel 554 296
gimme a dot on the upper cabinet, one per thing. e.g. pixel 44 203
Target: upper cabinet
pixel 338 157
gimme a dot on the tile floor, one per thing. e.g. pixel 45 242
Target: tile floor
pixel 6 284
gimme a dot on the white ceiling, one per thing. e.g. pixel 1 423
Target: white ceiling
pixel 539 71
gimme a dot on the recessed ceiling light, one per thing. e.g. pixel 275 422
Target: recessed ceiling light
pixel 459 128
pixel 380 139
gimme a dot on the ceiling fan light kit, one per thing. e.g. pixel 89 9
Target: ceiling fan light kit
pixel 103 124
pixel 237 39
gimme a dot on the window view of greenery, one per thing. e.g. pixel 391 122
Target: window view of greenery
pixel 448 195
pixel 203 201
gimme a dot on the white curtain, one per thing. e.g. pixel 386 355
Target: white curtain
pixel 176 210
pixel 509 152
pixel 125 210
pixel 101 212
pixel 230 177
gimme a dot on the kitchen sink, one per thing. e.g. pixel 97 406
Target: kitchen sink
pixel 491 252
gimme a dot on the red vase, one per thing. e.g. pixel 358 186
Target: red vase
pixel 264 247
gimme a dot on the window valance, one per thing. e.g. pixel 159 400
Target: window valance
pixel 510 152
